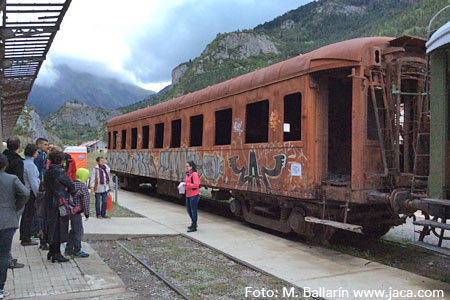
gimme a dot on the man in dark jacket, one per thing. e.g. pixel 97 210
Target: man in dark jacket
pixel 41 160
pixel 15 161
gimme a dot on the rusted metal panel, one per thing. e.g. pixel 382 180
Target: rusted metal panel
pixel 25 43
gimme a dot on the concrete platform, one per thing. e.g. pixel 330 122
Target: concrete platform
pixel 80 278
pixel 125 226
pixel 309 267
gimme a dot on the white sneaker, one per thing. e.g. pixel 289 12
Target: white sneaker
pixel 3 293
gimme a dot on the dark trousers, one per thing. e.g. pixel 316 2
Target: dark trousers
pixel 75 234
pixel 55 248
pixel 191 207
pixel 103 197
pixel 27 219
pixel 6 238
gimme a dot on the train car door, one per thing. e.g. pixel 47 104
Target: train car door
pixel 339 125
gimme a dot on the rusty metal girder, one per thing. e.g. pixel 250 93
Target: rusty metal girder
pixel 26 34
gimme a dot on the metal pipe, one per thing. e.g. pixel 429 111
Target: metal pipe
pixel 432 19
pixel 116 199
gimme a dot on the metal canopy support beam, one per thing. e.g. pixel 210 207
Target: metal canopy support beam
pixel 26 34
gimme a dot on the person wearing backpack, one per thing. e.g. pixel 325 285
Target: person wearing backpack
pixel 57 185
pixel 82 200
pixel 192 194
pixel 101 184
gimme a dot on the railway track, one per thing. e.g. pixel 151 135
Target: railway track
pixel 171 285
pixel 143 256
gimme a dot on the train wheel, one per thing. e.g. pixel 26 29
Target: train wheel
pixel 235 207
pixel 319 234
pixel 297 220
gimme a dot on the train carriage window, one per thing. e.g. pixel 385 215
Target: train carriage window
pixel 115 140
pixel 196 134
pixel 292 127
pixel 257 122
pixel 109 139
pixel 159 135
pixel 223 126
pixel 175 140
pixel 133 138
pixel 145 136
pixel 124 139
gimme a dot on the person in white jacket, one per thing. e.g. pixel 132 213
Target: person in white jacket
pixel 101 184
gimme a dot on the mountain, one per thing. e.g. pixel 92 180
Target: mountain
pixel 90 89
pixel 298 31
pixel 75 122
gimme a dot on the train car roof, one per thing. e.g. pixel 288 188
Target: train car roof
pixel 351 51
pixel 440 38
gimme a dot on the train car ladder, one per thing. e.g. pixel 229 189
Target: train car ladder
pixel 384 125
pixel 421 151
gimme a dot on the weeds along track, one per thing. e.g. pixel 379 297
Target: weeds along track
pixel 188 270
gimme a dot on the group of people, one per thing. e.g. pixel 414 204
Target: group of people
pixel 31 191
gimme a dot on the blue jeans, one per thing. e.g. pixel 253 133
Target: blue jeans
pixel 104 199
pixel 191 207
pixel 6 238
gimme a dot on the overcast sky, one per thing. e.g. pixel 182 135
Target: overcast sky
pixel 141 41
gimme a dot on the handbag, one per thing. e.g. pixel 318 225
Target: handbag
pixel 67 206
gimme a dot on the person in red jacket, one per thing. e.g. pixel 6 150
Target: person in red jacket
pixel 192 194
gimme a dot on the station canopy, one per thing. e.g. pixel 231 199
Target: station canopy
pixel 27 32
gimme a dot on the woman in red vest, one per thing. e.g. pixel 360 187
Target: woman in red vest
pixel 192 193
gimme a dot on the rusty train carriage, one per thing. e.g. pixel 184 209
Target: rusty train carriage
pixel 319 139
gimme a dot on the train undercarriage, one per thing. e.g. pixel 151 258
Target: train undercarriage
pixel 315 220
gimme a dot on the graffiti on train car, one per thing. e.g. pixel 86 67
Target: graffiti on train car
pixel 237 126
pixel 138 163
pixel 212 167
pixel 255 176
pixel 170 164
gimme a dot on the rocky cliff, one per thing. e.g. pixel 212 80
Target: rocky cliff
pixel 77 113
pixel 30 126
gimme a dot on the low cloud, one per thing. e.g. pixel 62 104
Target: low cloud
pixel 143 41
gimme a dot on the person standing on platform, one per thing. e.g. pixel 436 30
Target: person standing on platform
pixel 41 163
pixel 15 167
pixel 31 177
pixel 101 184
pixel 57 184
pixel 13 197
pixel 192 194
pixel 82 200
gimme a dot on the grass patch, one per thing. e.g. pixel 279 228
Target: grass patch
pixel 398 254
pixel 116 212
